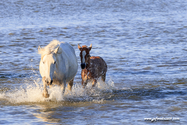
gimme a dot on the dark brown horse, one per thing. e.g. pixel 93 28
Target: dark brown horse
pixel 93 67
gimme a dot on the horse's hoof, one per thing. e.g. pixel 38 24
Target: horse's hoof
pixel 46 95
pixel 93 86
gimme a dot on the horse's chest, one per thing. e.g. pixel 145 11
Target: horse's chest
pixel 86 74
pixel 60 74
pixel 89 74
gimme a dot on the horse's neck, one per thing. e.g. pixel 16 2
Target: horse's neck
pixel 88 65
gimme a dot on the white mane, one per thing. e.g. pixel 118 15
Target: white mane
pixel 49 48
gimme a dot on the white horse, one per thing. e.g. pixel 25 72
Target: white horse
pixel 58 65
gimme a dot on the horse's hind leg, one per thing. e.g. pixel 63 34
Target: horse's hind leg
pixel 103 77
pixel 70 84
pixel 63 85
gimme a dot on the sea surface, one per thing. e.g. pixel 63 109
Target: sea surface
pixel 144 43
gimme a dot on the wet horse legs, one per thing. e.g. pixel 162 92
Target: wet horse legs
pixel 70 84
pixel 103 77
pixel 94 82
pixel 84 83
pixel 45 92
pixel 63 85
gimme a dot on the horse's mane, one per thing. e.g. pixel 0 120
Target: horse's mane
pixel 49 48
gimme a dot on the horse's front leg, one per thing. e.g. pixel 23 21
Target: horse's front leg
pixel 45 92
pixel 84 79
pixel 94 81
pixel 84 83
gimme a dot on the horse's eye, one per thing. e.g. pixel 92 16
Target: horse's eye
pixel 88 55
pixel 55 62
pixel 43 62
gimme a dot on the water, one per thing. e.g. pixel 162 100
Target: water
pixel 142 41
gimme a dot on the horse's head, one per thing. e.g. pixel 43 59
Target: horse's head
pixel 84 55
pixel 47 64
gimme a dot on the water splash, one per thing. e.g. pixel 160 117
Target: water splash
pixel 32 92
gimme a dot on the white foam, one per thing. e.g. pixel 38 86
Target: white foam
pixel 32 92
pixel 105 86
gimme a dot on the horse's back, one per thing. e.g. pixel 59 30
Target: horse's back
pixel 71 59
pixel 67 48
pixel 98 60
pixel 99 65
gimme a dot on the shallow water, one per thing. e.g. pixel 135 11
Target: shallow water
pixel 142 41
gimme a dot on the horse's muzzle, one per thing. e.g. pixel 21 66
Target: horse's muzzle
pixel 49 82
pixel 83 65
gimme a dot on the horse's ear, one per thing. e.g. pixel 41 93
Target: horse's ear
pixel 90 47
pixel 39 50
pixel 58 50
pixel 79 47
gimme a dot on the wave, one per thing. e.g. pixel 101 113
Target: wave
pixel 31 92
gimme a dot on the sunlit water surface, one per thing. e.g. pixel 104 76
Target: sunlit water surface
pixel 142 41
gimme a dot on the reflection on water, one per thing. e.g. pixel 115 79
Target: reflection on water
pixel 47 114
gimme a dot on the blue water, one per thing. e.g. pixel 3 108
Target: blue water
pixel 142 41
